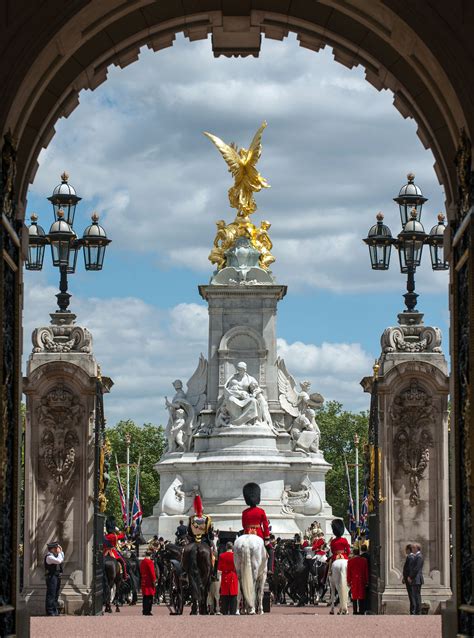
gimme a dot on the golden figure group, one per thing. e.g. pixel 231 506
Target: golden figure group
pixel 247 181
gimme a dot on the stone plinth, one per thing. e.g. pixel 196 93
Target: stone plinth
pixel 61 390
pixel 412 391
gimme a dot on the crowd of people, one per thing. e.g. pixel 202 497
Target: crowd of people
pixel 313 546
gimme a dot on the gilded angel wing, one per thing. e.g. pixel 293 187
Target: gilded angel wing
pixel 196 394
pixel 286 388
pixel 228 153
pixel 255 148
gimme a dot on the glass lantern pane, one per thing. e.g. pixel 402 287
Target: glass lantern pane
pixel 72 261
pixel 35 257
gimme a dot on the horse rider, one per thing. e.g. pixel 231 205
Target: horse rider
pixel 110 547
pixel 255 521
pixel 338 545
pixel 154 544
pixel 181 533
pixel 200 524
pixel 319 547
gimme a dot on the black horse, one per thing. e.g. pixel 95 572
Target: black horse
pixel 296 570
pixel 197 563
pixel 112 582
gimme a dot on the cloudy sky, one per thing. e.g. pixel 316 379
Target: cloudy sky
pixel 335 153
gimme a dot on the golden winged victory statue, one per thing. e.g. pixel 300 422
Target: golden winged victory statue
pixel 247 181
pixel 241 163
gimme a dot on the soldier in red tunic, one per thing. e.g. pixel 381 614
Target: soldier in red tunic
pixel 358 579
pixel 229 581
pixel 319 547
pixel 254 519
pixel 339 545
pixel 110 544
pixel 147 582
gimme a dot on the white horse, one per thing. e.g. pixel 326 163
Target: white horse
pixel 338 580
pixel 250 558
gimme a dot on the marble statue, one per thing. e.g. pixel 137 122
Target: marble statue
pixel 243 401
pixel 300 408
pixel 184 409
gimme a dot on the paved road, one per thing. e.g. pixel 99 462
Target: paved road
pixel 282 622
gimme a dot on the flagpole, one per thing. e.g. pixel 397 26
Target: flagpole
pixel 356 443
pixel 128 440
pixel 351 502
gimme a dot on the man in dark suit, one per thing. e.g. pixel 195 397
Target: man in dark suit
pixel 415 578
pixel 406 576
pixel 181 532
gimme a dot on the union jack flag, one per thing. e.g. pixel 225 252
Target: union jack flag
pixel 136 507
pixel 123 503
pixel 364 510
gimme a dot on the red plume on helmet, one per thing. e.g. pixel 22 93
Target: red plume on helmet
pixel 197 505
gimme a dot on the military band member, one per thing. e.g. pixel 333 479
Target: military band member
pixel 53 565
pixel 200 524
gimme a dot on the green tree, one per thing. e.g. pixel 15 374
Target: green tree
pixel 147 442
pixel 338 427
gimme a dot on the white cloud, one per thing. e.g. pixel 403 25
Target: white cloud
pixel 335 152
pixel 334 369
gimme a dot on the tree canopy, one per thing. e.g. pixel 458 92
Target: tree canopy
pixel 338 427
pixel 147 442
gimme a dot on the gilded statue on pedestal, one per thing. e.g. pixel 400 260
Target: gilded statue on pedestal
pixel 247 181
pixel 241 163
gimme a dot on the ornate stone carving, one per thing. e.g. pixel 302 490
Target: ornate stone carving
pixel 8 173
pixel 464 173
pixel 184 410
pixel 305 500
pixel 418 338
pixel 412 416
pixel 62 338
pixel 59 416
pixel 300 408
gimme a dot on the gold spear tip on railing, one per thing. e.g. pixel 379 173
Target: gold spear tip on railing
pixel 376 368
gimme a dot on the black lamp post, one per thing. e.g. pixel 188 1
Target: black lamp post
pixel 64 242
pixel 410 240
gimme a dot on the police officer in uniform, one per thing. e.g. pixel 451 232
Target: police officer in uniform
pixel 53 564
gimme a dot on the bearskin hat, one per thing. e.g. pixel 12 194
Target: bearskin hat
pixel 110 524
pixel 337 527
pixel 251 492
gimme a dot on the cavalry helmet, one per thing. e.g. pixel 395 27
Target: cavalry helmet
pixel 251 492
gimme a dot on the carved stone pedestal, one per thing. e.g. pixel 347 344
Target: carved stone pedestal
pixel 61 388
pixel 412 404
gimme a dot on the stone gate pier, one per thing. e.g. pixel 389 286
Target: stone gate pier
pixel 411 404
pixel 63 387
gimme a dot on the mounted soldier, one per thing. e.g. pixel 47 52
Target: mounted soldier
pixel 111 540
pixel 200 524
pixel 255 521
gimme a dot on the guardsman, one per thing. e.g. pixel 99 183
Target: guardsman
pixel 200 524
pixel 358 579
pixel 339 545
pixel 110 547
pixel 53 565
pixel 319 547
pixel 254 519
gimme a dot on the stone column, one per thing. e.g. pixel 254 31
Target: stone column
pixel 413 388
pixel 61 391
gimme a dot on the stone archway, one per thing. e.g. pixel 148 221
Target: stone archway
pixel 422 52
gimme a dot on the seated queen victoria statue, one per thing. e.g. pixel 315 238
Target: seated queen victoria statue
pixel 243 402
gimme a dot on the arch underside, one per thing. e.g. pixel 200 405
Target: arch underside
pixel 106 33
